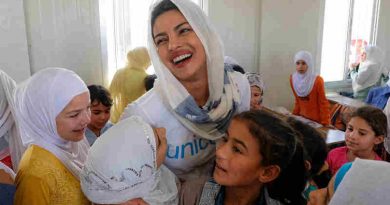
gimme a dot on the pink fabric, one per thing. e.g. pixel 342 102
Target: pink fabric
pixel 338 157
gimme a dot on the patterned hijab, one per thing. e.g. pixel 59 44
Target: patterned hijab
pixel 121 166
pixel 303 83
pixel 8 128
pixel 211 121
pixel 38 102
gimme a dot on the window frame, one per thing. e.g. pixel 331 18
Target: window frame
pixel 344 84
pixel 107 62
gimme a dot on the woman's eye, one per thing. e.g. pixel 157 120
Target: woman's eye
pixel 75 115
pixel 185 30
pixel 160 41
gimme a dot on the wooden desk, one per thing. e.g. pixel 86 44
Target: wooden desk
pixel 333 138
pixel 337 98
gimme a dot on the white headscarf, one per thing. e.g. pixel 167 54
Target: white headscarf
pixel 224 97
pixel 8 128
pixel 367 182
pixel 373 63
pixel 255 79
pixel 121 166
pixel 303 83
pixel 38 101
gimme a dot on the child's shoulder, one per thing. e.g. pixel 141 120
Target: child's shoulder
pixel 338 150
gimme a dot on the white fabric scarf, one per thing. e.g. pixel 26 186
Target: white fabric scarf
pixel 367 182
pixel 8 128
pixel 38 101
pixel 211 121
pixel 121 166
pixel 303 83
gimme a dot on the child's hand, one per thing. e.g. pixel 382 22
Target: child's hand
pixel 137 201
pixel 161 144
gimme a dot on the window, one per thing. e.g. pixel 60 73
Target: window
pixel 348 26
pixel 123 26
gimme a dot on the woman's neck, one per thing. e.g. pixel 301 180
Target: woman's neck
pixel 366 154
pixel 199 90
pixel 242 195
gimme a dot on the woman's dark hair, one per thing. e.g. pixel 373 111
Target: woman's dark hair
pixel 149 81
pixel 314 144
pixel 377 120
pixel 100 94
pixel 279 145
pixel 162 7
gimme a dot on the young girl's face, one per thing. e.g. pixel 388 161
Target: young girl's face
pixel 238 157
pixel 100 114
pixel 256 97
pixel 301 66
pixel 73 119
pixel 359 135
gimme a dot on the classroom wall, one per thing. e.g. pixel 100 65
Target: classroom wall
pixel 238 23
pixel 263 35
pixel 13 41
pixel 383 38
pixel 286 28
pixel 65 34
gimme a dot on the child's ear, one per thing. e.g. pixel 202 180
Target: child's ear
pixel 269 173
pixel 379 139
pixel 307 165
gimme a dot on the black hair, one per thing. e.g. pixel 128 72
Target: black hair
pixel 236 67
pixel 162 7
pixel 279 145
pixel 377 120
pixel 316 150
pixel 100 94
pixel 149 81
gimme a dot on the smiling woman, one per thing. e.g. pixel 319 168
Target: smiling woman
pixel 195 95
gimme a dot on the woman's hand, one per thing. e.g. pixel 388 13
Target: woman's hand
pixel 161 144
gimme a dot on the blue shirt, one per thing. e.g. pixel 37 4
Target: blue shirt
pixel 7 192
pixel 378 96
pixel 91 137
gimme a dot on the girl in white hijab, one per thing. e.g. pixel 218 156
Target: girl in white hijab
pixel 309 90
pixel 194 96
pixel 124 165
pixel 361 182
pixel 52 110
pixel 10 143
pixel 368 73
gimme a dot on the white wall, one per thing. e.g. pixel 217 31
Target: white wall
pixel 238 23
pixel 286 27
pixel 13 43
pixel 263 35
pixel 65 34
pixel 383 38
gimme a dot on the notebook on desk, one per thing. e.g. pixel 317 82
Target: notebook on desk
pixel 335 137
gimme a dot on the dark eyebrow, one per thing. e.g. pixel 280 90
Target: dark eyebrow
pixel 240 142
pixel 363 130
pixel 176 28
pixel 236 140
pixel 74 111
